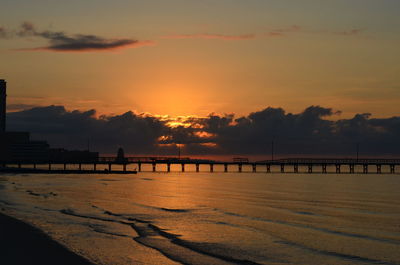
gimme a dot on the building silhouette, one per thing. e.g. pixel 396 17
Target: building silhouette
pixel 17 146
pixel 120 156
pixel 3 100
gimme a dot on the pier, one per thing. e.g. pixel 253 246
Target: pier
pixel 131 165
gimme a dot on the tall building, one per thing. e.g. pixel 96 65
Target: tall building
pixel 3 96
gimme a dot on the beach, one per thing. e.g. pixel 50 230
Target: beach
pixel 24 244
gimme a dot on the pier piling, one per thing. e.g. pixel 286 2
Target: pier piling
pixel 310 169
pixel 337 168
pixel 379 169
pixel 351 168
pixel 365 169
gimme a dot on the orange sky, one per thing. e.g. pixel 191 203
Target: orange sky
pixel 199 57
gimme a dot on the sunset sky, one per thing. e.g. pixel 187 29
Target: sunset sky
pixel 197 57
pixel 144 64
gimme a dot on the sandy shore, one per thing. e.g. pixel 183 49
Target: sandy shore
pixel 22 244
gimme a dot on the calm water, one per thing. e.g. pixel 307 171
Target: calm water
pixel 219 218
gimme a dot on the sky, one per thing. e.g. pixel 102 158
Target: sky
pixel 177 59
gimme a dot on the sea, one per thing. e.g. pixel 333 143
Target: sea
pixel 213 218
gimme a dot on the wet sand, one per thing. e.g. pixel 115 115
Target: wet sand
pixel 22 244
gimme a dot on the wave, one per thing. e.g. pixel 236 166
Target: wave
pixel 338 255
pixel 169 244
pixel 44 195
pixel 175 210
pixel 325 230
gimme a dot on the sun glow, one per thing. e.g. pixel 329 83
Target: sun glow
pixel 179 121
pixel 203 134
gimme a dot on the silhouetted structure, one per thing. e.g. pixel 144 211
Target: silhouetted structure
pixel 241 160
pixel 18 147
pixel 120 156
pixel 3 100
pixel 62 155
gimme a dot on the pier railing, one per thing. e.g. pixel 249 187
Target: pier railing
pixel 287 165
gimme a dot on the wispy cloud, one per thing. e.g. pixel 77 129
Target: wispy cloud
pixel 282 32
pixel 291 29
pixel 271 33
pixel 211 36
pixel 59 41
pixel 353 32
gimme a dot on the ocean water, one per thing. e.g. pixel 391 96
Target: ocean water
pixel 214 218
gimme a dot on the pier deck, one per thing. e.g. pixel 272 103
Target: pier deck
pixel 153 164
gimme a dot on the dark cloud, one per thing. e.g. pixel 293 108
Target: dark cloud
pixel 61 42
pixel 72 129
pixel 306 133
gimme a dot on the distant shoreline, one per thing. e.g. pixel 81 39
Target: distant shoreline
pixel 22 243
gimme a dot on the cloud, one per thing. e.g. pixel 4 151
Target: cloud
pixel 88 43
pixel 353 32
pixel 62 128
pixel 282 32
pixel 291 29
pixel 211 36
pixel 312 132
pixel 20 106
pixel 59 41
pixel 307 133
pixel 272 33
